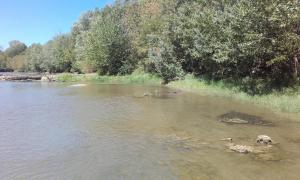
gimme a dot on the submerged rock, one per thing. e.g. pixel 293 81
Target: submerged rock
pixel 240 148
pixel 261 151
pixel 78 85
pixel 234 117
pixel 268 157
pixel 158 95
pixel 264 139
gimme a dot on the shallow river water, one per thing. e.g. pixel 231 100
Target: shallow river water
pixel 58 131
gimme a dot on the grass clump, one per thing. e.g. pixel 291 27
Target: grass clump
pixel 69 77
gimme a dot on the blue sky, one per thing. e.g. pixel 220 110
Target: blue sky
pixel 37 21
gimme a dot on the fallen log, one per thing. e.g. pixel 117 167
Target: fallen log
pixel 21 77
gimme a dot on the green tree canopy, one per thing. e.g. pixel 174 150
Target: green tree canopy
pixel 15 48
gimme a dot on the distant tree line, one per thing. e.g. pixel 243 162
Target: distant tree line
pixel 247 42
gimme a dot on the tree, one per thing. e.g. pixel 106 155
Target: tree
pixel 35 58
pixel 254 44
pixel 63 53
pixel 17 63
pixel 49 63
pixel 107 45
pixel 265 40
pixel 142 19
pixel 256 40
pixel 79 30
pixel 15 48
pixel 3 61
pixel 166 64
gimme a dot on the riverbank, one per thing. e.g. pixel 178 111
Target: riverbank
pixel 287 101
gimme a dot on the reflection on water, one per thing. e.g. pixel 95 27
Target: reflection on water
pixel 58 131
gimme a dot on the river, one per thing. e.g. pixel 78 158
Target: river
pixel 54 131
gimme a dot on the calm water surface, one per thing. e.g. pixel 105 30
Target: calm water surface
pixel 55 131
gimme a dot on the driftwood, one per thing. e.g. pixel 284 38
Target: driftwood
pixel 20 77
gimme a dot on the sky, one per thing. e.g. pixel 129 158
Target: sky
pixel 37 21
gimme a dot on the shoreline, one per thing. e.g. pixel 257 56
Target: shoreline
pixel 276 101
pixel 283 102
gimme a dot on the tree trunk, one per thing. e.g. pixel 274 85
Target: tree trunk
pixel 296 66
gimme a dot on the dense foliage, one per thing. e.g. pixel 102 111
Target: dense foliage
pixel 251 43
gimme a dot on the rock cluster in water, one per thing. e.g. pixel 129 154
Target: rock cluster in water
pixel 263 148
pixel 263 145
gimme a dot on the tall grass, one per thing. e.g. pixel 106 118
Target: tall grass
pixel 284 101
pixel 135 78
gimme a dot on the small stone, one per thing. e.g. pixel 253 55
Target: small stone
pixel 264 139
pixel 227 139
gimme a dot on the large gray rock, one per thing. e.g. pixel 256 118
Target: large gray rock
pixel 234 117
